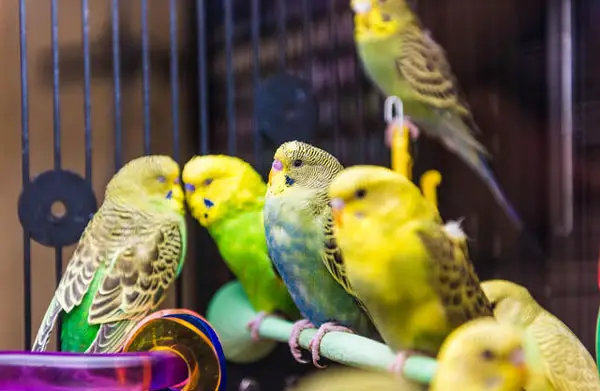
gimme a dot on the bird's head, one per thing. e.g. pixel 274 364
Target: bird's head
pixel 511 303
pixel 362 195
pixel 488 354
pixel 301 166
pixel 216 185
pixel 153 179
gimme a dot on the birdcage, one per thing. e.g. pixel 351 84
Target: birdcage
pixel 91 85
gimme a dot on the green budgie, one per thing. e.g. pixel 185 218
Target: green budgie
pixel 402 59
pixel 226 195
pixel 129 254
pixel 299 228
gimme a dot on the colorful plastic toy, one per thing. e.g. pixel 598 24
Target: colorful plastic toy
pixel 171 349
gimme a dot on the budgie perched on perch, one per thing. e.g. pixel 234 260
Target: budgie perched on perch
pixel 129 254
pixel 226 195
pixel 485 355
pixel 298 225
pixel 403 60
pixel 567 363
pixel 412 273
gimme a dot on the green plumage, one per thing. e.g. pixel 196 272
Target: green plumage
pixel 242 244
pixel 129 254
pixel 226 195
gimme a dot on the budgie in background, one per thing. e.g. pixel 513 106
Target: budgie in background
pixel 226 195
pixel 346 379
pixel 131 251
pixel 298 225
pixel 402 59
pixel 412 273
pixel 567 363
pixel 485 355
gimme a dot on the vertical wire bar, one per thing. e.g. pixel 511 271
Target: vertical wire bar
pixel 146 74
pixel 255 27
pixel 335 78
pixel 230 80
pixel 117 84
pixel 25 168
pixel 202 79
pixel 87 77
pixel 281 32
pixel 58 261
pixel 306 42
pixel 360 112
pixel 174 65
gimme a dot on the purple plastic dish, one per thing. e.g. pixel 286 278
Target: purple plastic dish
pixel 26 371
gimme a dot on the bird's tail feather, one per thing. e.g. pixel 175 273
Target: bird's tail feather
pixel 43 335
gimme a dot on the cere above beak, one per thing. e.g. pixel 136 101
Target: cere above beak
pixel 361 6
pixel 275 167
pixel 189 187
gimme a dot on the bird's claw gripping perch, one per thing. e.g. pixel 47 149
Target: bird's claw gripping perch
pixel 254 325
pixel 397 367
pixel 396 120
pixel 297 328
pixel 315 343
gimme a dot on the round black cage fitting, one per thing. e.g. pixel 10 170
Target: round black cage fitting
pixel 286 109
pixel 56 206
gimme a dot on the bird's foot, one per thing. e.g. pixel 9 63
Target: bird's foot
pixel 254 325
pixel 315 342
pixel 412 129
pixel 297 328
pixel 397 366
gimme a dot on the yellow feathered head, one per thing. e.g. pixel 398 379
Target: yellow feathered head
pixel 512 303
pixel 152 179
pixel 482 355
pixel 216 185
pixel 365 195
pixel 301 166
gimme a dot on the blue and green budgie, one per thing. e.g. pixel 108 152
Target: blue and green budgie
pixel 299 228
pixel 127 258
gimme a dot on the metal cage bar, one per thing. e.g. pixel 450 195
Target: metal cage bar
pixel 25 167
pixel 145 73
pixel 116 52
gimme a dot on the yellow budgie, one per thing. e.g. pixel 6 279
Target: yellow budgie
pixel 568 365
pixel 346 379
pixel 483 355
pixel 411 272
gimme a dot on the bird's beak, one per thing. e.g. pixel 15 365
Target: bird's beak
pixel 276 167
pixel 176 196
pixel 337 207
pixel 517 358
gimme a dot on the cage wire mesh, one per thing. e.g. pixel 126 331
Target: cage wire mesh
pixel 245 75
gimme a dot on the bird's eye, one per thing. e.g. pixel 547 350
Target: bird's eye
pixel 488 355
pixel 297 163
pixel 385 17
pixel 162 179
pixel 360 193
pixel 207 181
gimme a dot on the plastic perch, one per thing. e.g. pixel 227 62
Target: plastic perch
pixel 401 159
pixel 230 311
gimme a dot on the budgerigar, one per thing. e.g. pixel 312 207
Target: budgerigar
pixel 300 240
pixel 412 273
pixel 347 379
pixel 567 363
pixel 226 195
pixel 129 254
pixel 483 355
pixel 402 59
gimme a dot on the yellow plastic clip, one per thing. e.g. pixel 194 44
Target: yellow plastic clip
pixel 394 116
pixel 401 159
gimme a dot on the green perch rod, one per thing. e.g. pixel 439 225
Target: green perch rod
pixel 230 311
